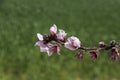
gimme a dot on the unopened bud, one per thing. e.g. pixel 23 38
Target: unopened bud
pixel 80 55
pixel 93 55
pixel 113 43
pixel 114 54
pixel 102 44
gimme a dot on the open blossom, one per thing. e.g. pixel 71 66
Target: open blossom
pixel 47 47
pixel 73 43
pixel 53 30
pixel 61 35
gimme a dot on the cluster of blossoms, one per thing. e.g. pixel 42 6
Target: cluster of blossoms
pixel 52 43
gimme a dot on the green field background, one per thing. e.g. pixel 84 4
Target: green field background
pixel 89 20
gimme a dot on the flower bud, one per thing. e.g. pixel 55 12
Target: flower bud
pixel 102 44
pixel 93 55
pixel 80 55
pixel 114 54
pixel 113 43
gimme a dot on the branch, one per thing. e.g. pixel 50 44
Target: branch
pixel 52 43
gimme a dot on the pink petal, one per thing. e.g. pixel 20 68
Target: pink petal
pixel 69 46
pixel 49 53
pixel 41 44
pixel 74 40
pixel 53 49
pixel 37 44
pixel 73 43
pixel 53 29
pixel 61 35
pixel 43 47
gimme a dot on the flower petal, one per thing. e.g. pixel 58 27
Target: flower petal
pixel 40 37
pixel 61 35
pixel 37 44
pixel 41 44
pixel 49 53
pixel 53 49
pixel 44 49
pixel 73 43
pixel 69 46
pixel 53 29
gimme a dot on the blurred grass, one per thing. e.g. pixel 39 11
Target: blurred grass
pixel 90 20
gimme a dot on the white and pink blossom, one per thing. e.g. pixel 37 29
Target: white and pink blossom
pixel 73 43
pixel 61 35
pixel 47 47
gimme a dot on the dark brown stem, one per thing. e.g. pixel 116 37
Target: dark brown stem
pixel 86 49
pixel 96 48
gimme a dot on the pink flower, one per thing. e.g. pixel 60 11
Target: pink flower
pixel 47 47
pixel 61 35
pixel 73 43
pixel 53 30
pixel 53 49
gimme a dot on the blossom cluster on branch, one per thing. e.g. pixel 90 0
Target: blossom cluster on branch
pixel 52 43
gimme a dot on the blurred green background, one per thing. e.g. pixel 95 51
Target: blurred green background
pixel 89 20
